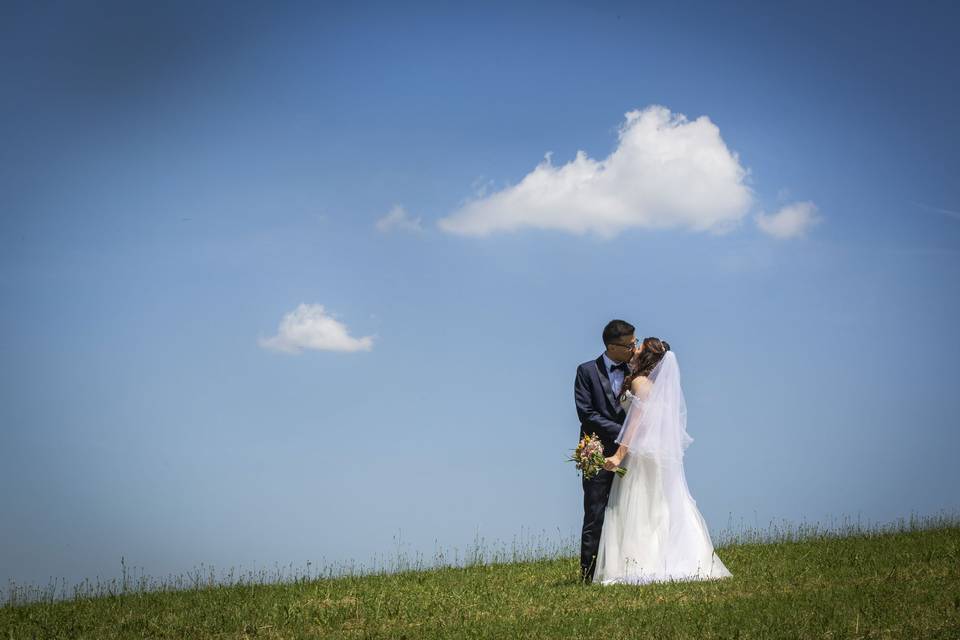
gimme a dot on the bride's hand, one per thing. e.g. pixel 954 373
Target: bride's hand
pixel 611 463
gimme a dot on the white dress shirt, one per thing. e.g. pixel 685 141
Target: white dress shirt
pixel 616 376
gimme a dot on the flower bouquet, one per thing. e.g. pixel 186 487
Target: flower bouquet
pixel 588 457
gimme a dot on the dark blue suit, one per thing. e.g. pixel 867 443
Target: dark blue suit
pixel 599 413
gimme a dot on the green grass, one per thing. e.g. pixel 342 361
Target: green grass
pixel 900 581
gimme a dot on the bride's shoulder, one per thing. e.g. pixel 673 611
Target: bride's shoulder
pixel 640 386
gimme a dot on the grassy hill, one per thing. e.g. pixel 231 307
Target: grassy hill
pixel 901 582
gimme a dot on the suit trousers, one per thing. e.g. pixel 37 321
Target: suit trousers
pixel 596 491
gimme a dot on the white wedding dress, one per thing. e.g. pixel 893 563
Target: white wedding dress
pixel 652 529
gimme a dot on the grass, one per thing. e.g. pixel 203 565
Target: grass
pixel 896 581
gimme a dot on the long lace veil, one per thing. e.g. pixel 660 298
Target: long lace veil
pixel 656 426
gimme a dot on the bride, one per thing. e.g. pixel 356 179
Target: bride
pixel 653 531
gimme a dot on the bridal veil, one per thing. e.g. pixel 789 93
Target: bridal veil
pixel 652 529
pixel 656 426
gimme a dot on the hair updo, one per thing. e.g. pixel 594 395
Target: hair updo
pixel 644 362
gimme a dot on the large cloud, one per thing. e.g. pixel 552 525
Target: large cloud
pixel 309 327
pixel 791 221
pixel 665 172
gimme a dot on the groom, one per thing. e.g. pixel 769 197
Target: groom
pixel 595 392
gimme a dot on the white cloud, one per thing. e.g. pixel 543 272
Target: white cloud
pixel 947 212
pixel 309 327
pixel 398 218
pixel 665 172
pixel 792 221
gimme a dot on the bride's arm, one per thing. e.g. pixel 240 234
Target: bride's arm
pixel 640 387
pixel 611 463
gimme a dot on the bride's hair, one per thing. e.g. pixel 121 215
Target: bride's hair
pixel 643 363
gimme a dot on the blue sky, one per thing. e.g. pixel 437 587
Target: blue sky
pixel 178 180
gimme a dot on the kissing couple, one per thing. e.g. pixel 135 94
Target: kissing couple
pixel 643 526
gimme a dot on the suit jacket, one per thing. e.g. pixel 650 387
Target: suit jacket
pixel 597 407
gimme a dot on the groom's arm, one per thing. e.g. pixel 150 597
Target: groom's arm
pixel 587 412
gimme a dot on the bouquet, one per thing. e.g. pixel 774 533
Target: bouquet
pixel 588 457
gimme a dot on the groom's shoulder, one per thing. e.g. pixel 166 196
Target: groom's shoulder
pixel 586 366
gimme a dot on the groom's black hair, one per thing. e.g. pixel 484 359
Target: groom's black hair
pixel 617 329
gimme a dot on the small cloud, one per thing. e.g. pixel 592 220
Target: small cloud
pixel 947 212
pixel 665 172
pixel 791 221
pixel 309 327
pixel 398 219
